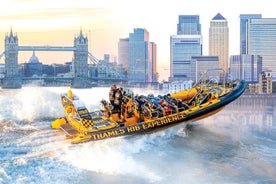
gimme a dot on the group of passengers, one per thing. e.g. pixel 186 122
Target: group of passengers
pixel 161 105
pixel 157 106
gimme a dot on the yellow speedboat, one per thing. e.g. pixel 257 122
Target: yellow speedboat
pixel 142 114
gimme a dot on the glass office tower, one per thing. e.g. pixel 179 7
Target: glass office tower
pixel 246 67
pixel 188 25
pixel 184 45
pixel 123 52
pixel 244 18
pixel 262 41
pixel 142 57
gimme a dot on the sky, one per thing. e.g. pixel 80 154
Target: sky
pixel 104 22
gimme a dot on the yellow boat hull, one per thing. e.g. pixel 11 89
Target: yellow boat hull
pixel 101 127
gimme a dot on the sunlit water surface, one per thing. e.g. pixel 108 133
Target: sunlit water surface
pixel 237 145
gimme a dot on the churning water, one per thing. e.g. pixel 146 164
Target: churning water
pixel 236 145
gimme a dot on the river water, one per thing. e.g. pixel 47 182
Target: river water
pixel 236 145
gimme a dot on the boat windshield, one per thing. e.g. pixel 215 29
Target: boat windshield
pixel 79 104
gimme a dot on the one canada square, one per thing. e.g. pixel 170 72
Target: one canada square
pixel 219 40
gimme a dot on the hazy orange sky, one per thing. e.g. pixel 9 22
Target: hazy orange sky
pixel 56 22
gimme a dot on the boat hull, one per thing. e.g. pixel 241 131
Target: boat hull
pixel 170 120
pixel 191 114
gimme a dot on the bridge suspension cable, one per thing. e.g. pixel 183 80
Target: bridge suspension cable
pixel 1 55
pixel 111 70
pixel 93 59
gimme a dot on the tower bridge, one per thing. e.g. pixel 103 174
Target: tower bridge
pixel 12 79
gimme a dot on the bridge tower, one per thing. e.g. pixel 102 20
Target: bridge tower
pixel 80 62
pixel 12 78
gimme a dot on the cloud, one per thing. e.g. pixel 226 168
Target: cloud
pixel 55 18
pixel 54 13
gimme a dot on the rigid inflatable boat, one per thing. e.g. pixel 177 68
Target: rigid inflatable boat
pixel 143 114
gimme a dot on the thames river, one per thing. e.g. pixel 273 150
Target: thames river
pixel 236 145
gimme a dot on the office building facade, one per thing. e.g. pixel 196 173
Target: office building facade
pixel 202 65
pixel 262 41
pixel 188 25
pixel 184 45
pixel 244 18
pixel 246 67
pixel 265 82
pixel 142 57
pixel 123 52
pixel 219 40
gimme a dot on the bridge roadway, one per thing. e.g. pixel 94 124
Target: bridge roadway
pixel 71 78
pixel 45 48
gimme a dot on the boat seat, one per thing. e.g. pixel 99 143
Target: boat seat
pixel 194 97
pixel 203 99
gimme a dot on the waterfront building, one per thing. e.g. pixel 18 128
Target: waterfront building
pixel 265 82
pixel 176 86
pixel 244 19
pixel 153 66
pixel 202 64
pixel 184 45
pixel 107 58
pixel 142 57
pixel 33 68
pixel 246 67
pixel 253 88
pixel 219 40
pixel 262 41
pixel 123 52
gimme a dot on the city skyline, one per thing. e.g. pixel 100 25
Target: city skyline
pixel 105 22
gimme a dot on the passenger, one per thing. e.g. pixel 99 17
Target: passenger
pixel 140 102
pixel 166 106
pixel 162 102
pixel 118 100
pixel 181 106
pixel 168 109
pixel 112 92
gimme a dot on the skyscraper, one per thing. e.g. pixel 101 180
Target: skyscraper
pixel 262 41
pixel 123 52
pixel 188 25
pixel 153 58
pixel 219 40
pixel 246 67
pixel 142 57
pixel 244 18
pixel 201 64
pixel 184 45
